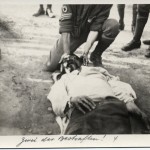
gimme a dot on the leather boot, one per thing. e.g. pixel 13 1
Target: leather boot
pixel 49 11
pixel 146 42
pixel 131 45
pixel 96 59
pixel 39 12
pixel 102 45
pixel 140 24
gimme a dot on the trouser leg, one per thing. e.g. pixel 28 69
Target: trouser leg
pixel 134 14
pixel 140 23
pixel 102 120
pixel 142 17
pixel 49 6
pixel 41 7
pixel 110 30
pixel 121 8
pixel 57 51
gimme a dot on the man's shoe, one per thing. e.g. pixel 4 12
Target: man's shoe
pixel 96 60
pixel 131 46
pixel 146 42
pixel 147 53
pixel 49 13
pixel 39 13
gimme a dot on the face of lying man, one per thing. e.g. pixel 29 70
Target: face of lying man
pixel 70 64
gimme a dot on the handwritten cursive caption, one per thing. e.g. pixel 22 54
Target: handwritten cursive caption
pixel 64 138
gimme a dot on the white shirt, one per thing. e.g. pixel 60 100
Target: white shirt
pixel 94 82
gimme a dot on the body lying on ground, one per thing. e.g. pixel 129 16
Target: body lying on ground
pixel 89 100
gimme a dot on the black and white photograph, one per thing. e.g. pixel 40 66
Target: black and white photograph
pixel 74 72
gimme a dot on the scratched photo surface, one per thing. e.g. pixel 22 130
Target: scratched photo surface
pixel 25 44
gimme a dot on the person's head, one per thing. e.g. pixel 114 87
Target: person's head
pixel 71 63
pixel 67 65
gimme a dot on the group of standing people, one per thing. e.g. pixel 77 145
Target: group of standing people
pixel 89 23
pixel 47 12
pixel 139 20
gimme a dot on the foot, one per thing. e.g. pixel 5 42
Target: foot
pixel 146 42
pixel 131 46
pixel 39 13
pixel 96 60
pixel 121 26
pixel 147 53
pixel 50 13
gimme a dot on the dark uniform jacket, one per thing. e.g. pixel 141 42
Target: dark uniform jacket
pixel 76 19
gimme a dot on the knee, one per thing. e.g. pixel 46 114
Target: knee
pixel 111 28
pixel 49 67
pixel 52 62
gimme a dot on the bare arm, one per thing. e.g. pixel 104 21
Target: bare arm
pixel 66 43
pixel 89 43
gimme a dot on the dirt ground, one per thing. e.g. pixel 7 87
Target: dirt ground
pixel 25 42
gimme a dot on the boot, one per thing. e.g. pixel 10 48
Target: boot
pixel 146 42
pixel 132 45
pixel 40 11
pixel 121 8
pixel 49 11
pixel 102 45
pixel 96 59
pixel 140 24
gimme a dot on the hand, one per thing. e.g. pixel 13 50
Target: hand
pixel 82 102
pixel 132 108
pixel 85 59
pixel 65 55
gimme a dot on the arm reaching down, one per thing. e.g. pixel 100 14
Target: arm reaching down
pixel 89 43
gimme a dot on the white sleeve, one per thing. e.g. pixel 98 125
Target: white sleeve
pixel 58 97
pixel 123 91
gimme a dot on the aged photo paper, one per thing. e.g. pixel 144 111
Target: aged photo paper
pixel 43 109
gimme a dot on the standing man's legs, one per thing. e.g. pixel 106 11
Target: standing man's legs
pixel 40 11
pixel 49 11
pixel 143 14
pixel 134 16
pixel 121 8
pixel 110 30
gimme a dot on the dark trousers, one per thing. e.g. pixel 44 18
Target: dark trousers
pixel 121 8
pixel 142 18
pixel 109 117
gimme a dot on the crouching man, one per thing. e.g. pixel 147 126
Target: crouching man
pixel 79 24
pixel 88 100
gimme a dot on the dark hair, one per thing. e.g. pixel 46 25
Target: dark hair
pixel 73 62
